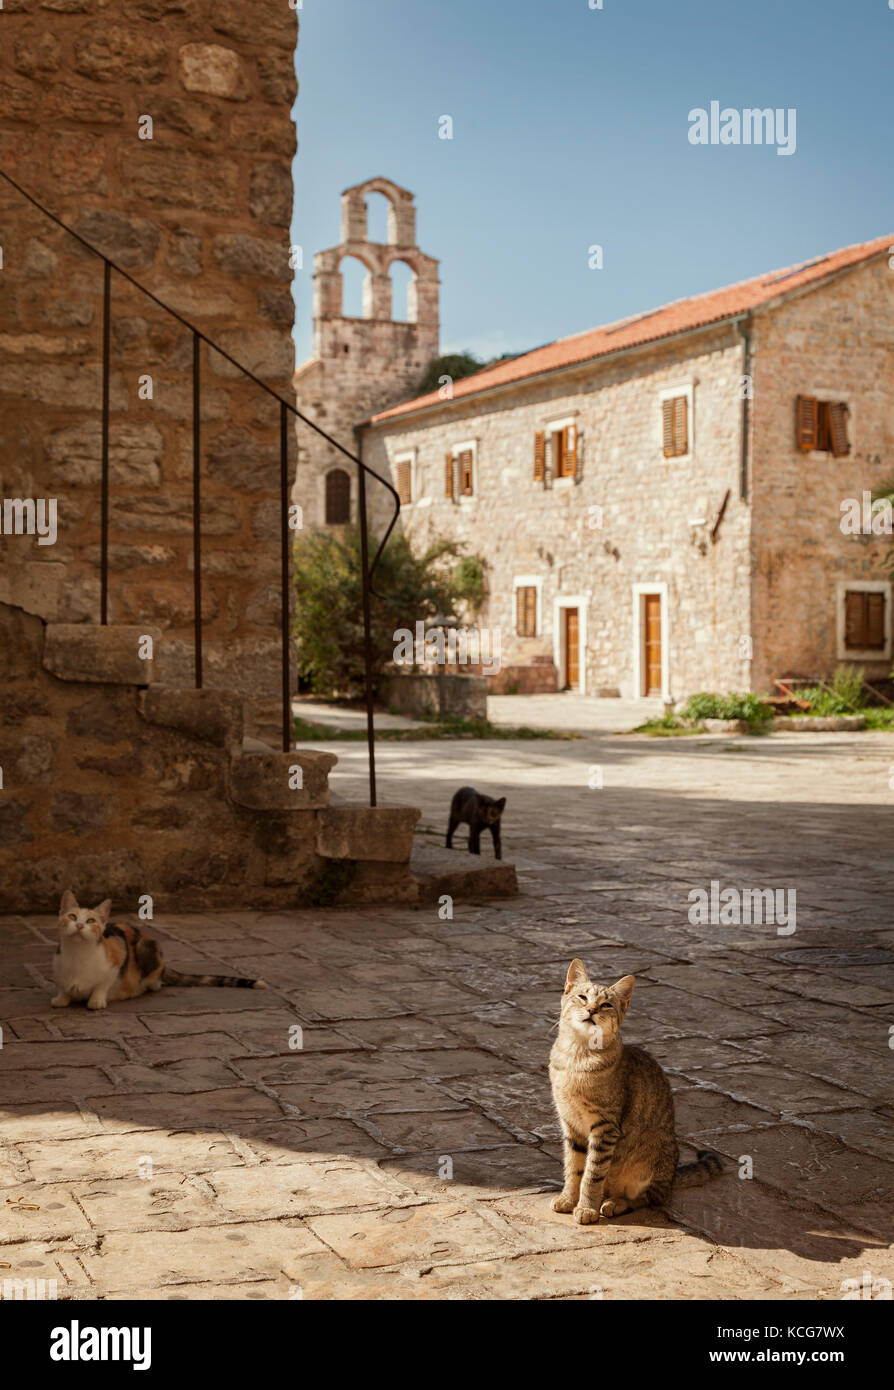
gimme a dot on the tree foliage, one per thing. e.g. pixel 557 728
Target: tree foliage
pixel 454 364
pixel 328 624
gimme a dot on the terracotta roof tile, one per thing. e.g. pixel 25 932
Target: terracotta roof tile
pixel 697 311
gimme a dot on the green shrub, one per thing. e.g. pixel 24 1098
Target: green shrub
pixel 328 623
pixel 878 717
pixel 847 683
pixel 748 707
pixel 845 694
pixel 468 583
pixel 702 706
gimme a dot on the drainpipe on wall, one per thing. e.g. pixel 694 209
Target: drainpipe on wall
pixel 742 326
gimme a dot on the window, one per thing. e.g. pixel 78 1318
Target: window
pixel 459 472
pixel 404 467
pixel 675 426
pixel 821 426
pixel 539 456
pixel 563 452
pixel 526 611
pixel 338 497
pixel 864 621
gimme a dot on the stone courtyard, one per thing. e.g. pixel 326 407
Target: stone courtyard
pixel 183 1146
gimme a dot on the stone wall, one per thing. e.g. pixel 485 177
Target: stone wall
pixel 643 532
pixel 837 342
pixel 119 787
pixel 199 215
pixel 441 693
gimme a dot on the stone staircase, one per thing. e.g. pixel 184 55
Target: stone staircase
pixel 117 786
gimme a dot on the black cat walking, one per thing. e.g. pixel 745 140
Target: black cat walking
pixel 479 812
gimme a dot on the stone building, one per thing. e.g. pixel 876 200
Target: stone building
pixel 660 502
pixel 162 133
pixel 361 365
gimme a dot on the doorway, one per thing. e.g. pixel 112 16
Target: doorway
pixel 571 647
pixel 652 644
pixel 651 639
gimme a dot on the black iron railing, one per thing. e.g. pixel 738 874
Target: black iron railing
pixel 285 410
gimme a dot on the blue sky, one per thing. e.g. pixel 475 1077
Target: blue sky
pixel 571 129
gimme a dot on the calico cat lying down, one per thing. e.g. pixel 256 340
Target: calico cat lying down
pixel 101 961
pixel 615 1107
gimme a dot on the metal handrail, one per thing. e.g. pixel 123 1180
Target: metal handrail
pixel 285 409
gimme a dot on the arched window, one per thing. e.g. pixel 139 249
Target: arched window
pixel 402 280
pixel 378 227
pixel 354 291
pixel 338 497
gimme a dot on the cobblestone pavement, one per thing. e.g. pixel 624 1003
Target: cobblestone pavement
pixel 178 1147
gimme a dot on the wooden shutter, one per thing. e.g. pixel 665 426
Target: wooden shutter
pixel 681 425
pixel 875 621
pixel 855 631
pixel 448 475
pixel 526 611
pixel 569 451
pixel 807 423
pixel 404 480
pixel 465 472
pixel 667 427
pixel 838 440
pixel 539 456
pixel 674 426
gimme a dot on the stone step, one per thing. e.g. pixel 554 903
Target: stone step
pixel 100 655
pixel 367 834
pixel 294 781
pixel 211 715
pixel 439 871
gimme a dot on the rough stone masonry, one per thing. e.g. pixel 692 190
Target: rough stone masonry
pixel 161 132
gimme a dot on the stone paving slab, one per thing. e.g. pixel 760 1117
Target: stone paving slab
pixel 377 1123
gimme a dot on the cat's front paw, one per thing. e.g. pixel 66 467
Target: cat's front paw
pixel 611 1208
pixel 60 1001
pixel 586 1216
pixel 94 1003
pixel 562 1204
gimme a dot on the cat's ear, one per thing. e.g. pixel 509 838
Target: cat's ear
pixel 624 988
pixel 500 804
pixel 69 903
pixel 102 912
pixel 577 975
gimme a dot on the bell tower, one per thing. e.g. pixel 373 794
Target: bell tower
pixel 361 365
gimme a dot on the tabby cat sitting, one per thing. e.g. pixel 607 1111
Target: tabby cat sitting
pixel 101 961
pixel 615 1107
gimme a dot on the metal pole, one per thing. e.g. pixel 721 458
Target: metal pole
pixel 284 577
pixel 197 507
pixel 367 632
pixel 104 484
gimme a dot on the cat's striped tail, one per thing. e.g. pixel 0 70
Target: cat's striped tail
pixel 706 1166
pixel 174 977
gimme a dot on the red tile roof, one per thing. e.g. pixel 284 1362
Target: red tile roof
pixel 698 311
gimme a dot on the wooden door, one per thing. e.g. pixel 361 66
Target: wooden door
pixel 651 644
pixel 572 655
